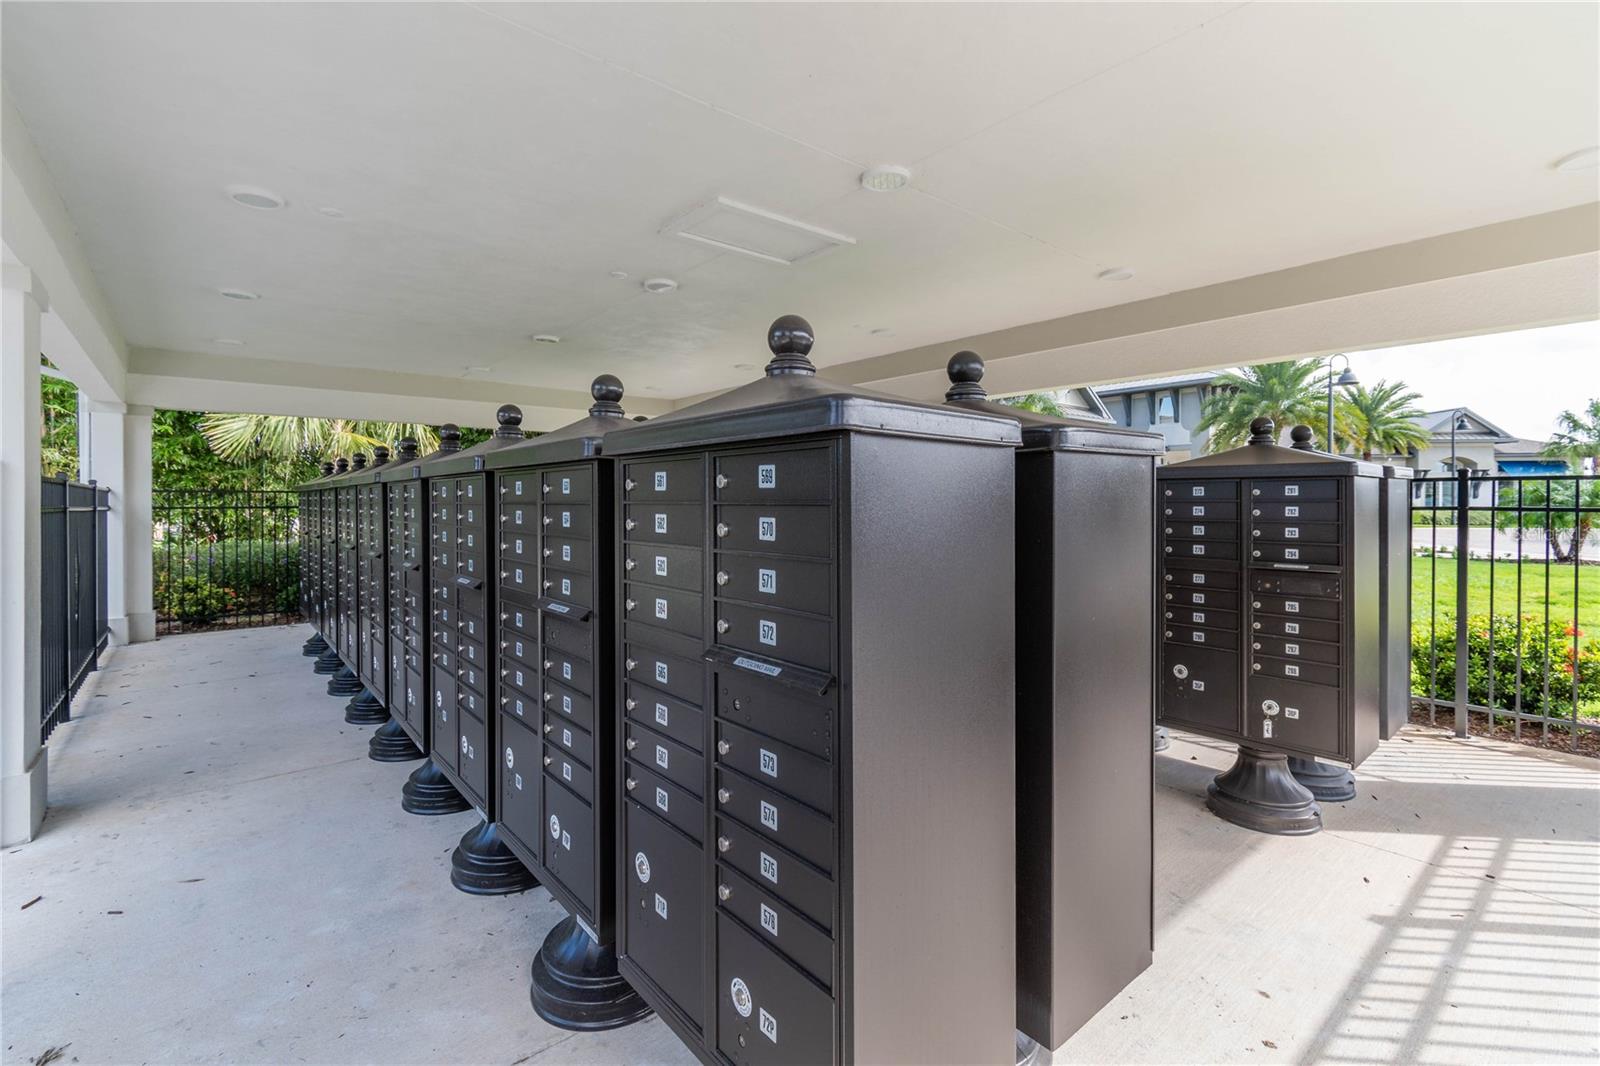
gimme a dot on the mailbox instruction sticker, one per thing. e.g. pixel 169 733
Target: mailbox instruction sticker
pixel 758 666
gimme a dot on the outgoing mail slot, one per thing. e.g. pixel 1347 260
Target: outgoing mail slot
pixel 803 475
pixel 777 765
pixel 519 782
pixel 773 633
pixel 568 483
pixel 665 565
pixel 666 757
pixel 763 913
pixel 1296 648
pixel 664 798
pixel 1296 532
pixel 791 530
pixel 568 586
pixel 773 814
pixel 664 523
pixel 795 881
pixel 1295 554
pixel 569 771
pixel 566 519
pixel 563 702
pixel 664 480
pixel 681 721
pixel 568 850
pixel 798 584
pixel 768 1012
pixel 1289 490
pixel 672 609
pixel 1193 636
pixel 1326 586
pixel 663 926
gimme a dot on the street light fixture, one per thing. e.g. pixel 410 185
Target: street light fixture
pixel 1458 421
pixel 1345 380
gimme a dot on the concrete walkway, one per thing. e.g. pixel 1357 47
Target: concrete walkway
pixel 225 877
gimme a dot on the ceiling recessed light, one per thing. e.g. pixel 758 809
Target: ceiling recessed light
pixel 331 212
pixel 659 285
pixel 547 338
pixel 619 275
pixel 744 366
pixel 1115 274
pixel 232 342
pixel 1582 159
pixel 885 178
pixel 255 196
pixel 240 294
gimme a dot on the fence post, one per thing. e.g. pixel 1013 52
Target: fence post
pixel 1463 539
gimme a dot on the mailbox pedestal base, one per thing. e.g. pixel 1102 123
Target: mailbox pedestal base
pixel 427 791
pixel 328 663
pixel 484 866
pixel 1030 1052
pixel 1258 792
pixel 365 709
pixel 1162 741
pixel 390 743
pixel 576 986
pixel 344 683
pixel 315 646
pixel 1329 784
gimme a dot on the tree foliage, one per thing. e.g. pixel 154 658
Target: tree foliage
pixel 1379 420
pixel 1038 402
pixel 1578 438
pixel 1573 505
pixel 59 411
pixel 287 441
pixel 1290 393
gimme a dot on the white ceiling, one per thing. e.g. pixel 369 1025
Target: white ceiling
pixel 496 162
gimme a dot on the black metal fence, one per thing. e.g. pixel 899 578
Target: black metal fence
pixel 225 558
pixel 72 593
pixel 1506 579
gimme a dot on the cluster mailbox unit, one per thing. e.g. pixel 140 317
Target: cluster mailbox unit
pixel 462 585
pixel 329 661
pixel 816 675
pixel 1085 708
pixel 1269 607
pixel 555 723
pixel 400 608
pixel 312 604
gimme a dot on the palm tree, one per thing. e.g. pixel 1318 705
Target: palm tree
pixel 1578 438
pixel 1379 420
pixel 1038 402
pixel 1287 392
pixel 285 440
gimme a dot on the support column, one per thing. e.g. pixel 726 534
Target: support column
pixel 23 759
pixel 119 459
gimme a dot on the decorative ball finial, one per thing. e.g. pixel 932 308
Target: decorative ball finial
pixel 1301 437
pixel 607 393
pixel 510 418
pixel 965 370
pixel 360 461
pixel 380 455
pixel 449 437
pixel 1261 431
pixel 790 339
pixel 408 447
pixel 327 469
pixel 340 465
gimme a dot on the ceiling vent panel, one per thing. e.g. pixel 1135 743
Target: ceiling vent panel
pixel 730 226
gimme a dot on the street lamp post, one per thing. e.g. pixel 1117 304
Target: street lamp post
pixel 1346 379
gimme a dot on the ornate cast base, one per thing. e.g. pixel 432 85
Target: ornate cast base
pixel 576 985
pixel 328 663
pixel 391 743
pixel 427 792
pixel 1259 793
pixel 483 866
pixel 315 646
pixel 1162 741
pixel 1029 1051
pixel 365 709
pixel 1329 784
pixel 344 683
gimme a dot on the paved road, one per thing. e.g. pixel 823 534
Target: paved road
pixel 1505 543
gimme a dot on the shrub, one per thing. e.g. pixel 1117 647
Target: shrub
pixel 193 601
pixel 1572 662
pixel 261 572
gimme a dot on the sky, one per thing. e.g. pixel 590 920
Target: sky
pixel 1520 381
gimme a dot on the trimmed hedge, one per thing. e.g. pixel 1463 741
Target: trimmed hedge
pixel 1571 660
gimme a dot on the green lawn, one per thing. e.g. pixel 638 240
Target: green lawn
pixel 1440 575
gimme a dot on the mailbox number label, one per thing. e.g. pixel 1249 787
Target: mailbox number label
pixel 661 566
pixel 1291 712
pixel 1198 490
pixel 661 905
pixel 661 757
pixel 1198 531
pixel 1199 637
pixel 1197 597
pixel 1291 628
pixel 769 763
pixel 566 486
pixel 1291 671
pixel 1291 490
pixel 769 816
pixel 566 736
pixel 661 608
pixel 1199 617
pixel 769 867
pixel 661 481
pixel 767 528
pixel 566 553
pixel 566 586
pixel 766 476
pixel 661 672
pixel 769 1026
pixel 661 523
pixel 661 798
pixel 1198 686
pixel 1198 510
pixel 566 670
pixel 1292 606
pixel 566 840
pixel 1291 649
pixel 1291 553
pixel 1292 532
pixel 769 919
pixel 767 581
pixel 1199 579
pixel 1198 549
pixel 566 770
pixel 1291 511
pixel 566 703
pixel 769 633
pixel 661 714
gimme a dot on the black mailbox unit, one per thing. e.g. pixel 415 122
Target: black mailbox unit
pixel 815 667
pixel 331 661
pixel 311 602
pixel 461 579
pixel 1085 708
pixel 555 727
pixel 401 609
pixel 372 644
pixel 346 682
pixel 1269 606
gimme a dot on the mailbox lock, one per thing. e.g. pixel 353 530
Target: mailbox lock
pixel 1255 666
pixel 547 760
pixel 722 529
pixel 629 524
pixel 1168 634
pixel 545 519
pixel 1269 706
pixel 629 605
pixel 723 795
pixel 631 663
pixel 548 727
pixel 1169 595
pixel 548 664
pixel 1255 512
pixel 723 891
pixel 630 484
pixel 723 625
pixel 547 697
pixel 722 483
pixel 1255 645
pixel 628 564
pixel 1169 614
pixel 1255 532
pixel 632 703
pixel 1255 625
pixel 722 577
pixel 632 784
pixel 1167 531
pixel 1180 671
pixel 1255 555
pixel 1256 604
pixel 547 583
pixel 1166 577
pixel 1255 492
pixel 544 488
pixel 1168 549
pixel 723 747
pixel 632 743
pixel 723 843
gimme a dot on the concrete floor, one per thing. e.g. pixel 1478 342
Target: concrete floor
pixel 225 877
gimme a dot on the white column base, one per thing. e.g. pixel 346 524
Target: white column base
pixel 141 627
pixel 22 801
